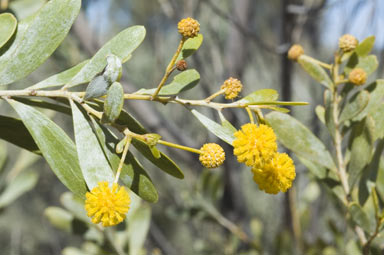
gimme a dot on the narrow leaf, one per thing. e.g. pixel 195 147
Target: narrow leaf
pixel 190 46
pixel 370 173
pixel 94 166
pixel 298 138
pixel 376 95
pixel 360 217
pixel 24 182
pixel 56 147
pixel 98 87
pixel 8 24
pixel 181 82
pixel 315 71
pixel 368 63
pixel 225 133
pixel 320 112
pixel 355 105
pixel 365 47
pixel 122 45
pixel 138 227
pixel 59 218
pixel 37 38
pixel 378 118
pixel 262 95
pixel 14 131
pixel 361 149
pixel 113 103
pixel 60 79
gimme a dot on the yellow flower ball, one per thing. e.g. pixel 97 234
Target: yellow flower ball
pixel 276 175
pixel 188 27
pixel 254 145
pixel 107 205
pixel 358 76
pixel 212 155
pixel 232 87
pixel 348 43
pixel 295 52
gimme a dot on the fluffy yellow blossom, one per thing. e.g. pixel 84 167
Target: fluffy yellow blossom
pixel 212 155
pixel 276 175
pixel 188 27
pixel 254 145
pixel 232 87
pixel 357 76
pixel 348 43
pixel 107 205
pixel 295 52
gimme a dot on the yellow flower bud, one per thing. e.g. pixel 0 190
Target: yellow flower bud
pixel 212 155
pixel 348 42
pixel 188 27
pixel 357 76
pixel 232 88
pixel 295 52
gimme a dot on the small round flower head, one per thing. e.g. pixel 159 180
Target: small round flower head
pixel 276 175
pixel 254 145
pixel 188 27
pixel 107 205
pixel 357 76
pixel 232 87
pixel 181 65
pixel 212 155
pixel 295 52
pixel 348 42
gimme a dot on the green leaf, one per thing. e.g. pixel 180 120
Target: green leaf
pixel 328 116
pixel 365 47
pixel 61 78
pixel 181 82
pixel 138 227
pixel 368 63
pixel 355 105
pixel 164 162
pixel 94 166
pixel 360 217
pixel 299 139
pixel 8 24
pixel 224 132
pixel 262 95
pixel 320 112
pixel 361 149
pixel 315 71
pixel 133 174
pixel 376 92
pixel 370 173
pixel 37 38
pixel 122 45
pixel 98 87
pixel 14 131
pixel 378 118
pixel 56 147
pixel 59 218
pixel 113 103
pixel 22 183
pixel 190 46
pixel 44 104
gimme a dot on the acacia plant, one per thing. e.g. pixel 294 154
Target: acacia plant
pixel 353 113
pixel 98 167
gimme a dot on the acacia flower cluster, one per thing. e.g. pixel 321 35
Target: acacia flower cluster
pixel 212 155
pixel 107 205
pixel 256 146
pixel 231 87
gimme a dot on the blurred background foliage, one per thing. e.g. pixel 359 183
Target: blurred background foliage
pixel 209 212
